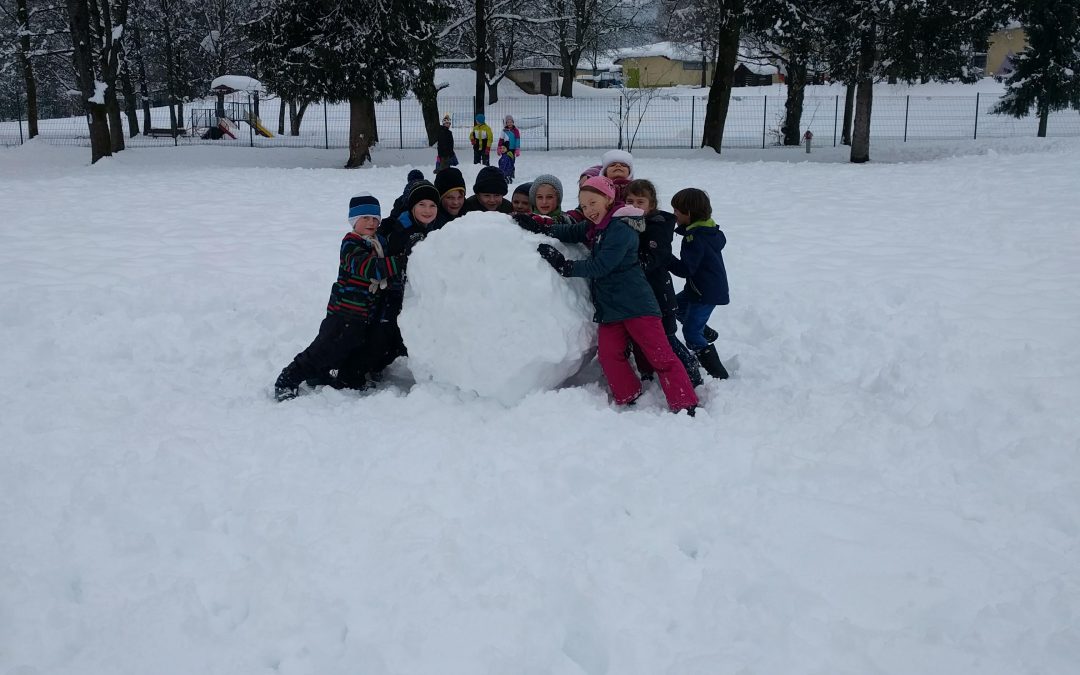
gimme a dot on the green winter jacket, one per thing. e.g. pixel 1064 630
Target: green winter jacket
pixel 618 285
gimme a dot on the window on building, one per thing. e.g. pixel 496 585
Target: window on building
pixel 978 60
pixel 691 65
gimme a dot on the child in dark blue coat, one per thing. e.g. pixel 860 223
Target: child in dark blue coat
pixel 701 263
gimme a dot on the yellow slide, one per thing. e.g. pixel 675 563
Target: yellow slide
pixel 257 125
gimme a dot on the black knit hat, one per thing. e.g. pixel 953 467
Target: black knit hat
pixel 490 180
pixel 419 190
pixel 449 179
pixel 415 174
pixel 523 189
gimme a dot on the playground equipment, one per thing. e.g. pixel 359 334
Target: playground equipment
pixel 220 122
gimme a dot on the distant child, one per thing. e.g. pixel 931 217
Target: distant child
pixel 701 263
pixel 489 192
pixel 451 186
pixel 654 254
pixel 625 305
pixel 481 137
pixel 520 199
pixel 364 272
pixel 509 148
pixel 618 165
pixel 445 157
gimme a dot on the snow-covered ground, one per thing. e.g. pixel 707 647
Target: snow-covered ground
pixel 889 484
pixel 669 117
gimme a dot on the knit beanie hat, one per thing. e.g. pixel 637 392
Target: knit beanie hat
pixel 508 120
pixel 363 204
pixel 601 184
pixel 591 171
pixel 621 156
pixel 523 189
pixel 490 180
pixel 449 179
pixel 480 118
pixel 414 175
pixel 418 190
pixel 546 179
pixel 446 118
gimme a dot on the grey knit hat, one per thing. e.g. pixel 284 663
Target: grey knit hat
pixel 545 179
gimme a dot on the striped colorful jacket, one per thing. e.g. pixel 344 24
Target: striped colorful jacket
pixel 363 272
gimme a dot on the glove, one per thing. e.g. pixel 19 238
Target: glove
pixel 526 222
pixel 555 259
pixel 517 153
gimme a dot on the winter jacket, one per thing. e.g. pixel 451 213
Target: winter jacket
pixel 510 141
pixel 654 252
pixel 618 285
pixel 364 274
pixel 481 137
pixel 402 234
pixel 701 262
pixel 473 204
pixel 445 146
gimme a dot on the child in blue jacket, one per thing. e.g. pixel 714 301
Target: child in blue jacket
pixel 701 263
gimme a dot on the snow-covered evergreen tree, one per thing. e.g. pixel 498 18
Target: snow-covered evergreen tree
pixel 1047 75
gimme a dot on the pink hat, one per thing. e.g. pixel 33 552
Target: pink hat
pixel 592 171
pixel 601 184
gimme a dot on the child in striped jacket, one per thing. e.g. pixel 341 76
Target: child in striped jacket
pixel 364 272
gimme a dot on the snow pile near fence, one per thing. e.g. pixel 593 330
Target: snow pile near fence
pixel 484 313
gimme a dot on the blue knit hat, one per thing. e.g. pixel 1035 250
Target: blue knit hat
pixel 480 118
pixel 363 204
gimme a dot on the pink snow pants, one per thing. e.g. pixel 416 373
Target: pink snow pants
pixel 648 333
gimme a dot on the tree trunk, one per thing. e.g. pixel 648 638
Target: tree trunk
pixel 281 118
pixel 83 61
pixel 849 111
pixel 428 96
pixel 796 91
pixel 131 110
pixel 29 81
pixel 1044 115
pixel 362 133
pixel 219 107
pixel 144 93
pixel 704 63
pixel 170 74
pixel 720 93
pixel 864 97
pixel 480 63
pixel 493 93
pixel 180 114
pixel 296 115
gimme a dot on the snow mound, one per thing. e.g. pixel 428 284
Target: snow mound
pixel 484 313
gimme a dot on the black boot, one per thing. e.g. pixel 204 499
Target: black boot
pixel 710 335
pixel 710 361
pixel 288 382
pixel 693 368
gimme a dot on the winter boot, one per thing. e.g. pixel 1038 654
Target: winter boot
pixel 710 361
pixel 693 368
pixel 710 335
pixel 287 385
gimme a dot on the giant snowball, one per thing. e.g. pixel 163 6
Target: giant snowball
pixel 485 313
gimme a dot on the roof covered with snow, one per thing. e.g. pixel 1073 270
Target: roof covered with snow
pixel 237 83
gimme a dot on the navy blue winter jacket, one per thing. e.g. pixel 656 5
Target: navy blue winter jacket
pixel 701 262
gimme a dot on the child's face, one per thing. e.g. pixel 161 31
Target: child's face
pixel 547 200
pixel 366 225
pixel 453 201
pixel 681 218
pixel 520 202
pixel 595 206
pixel 639 201
pixel 489 200
pixel 617 170
pixel 425 211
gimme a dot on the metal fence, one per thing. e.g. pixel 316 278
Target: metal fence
pixel 645 119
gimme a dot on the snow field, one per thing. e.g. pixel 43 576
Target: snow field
pixel 485 314
pixel 887 485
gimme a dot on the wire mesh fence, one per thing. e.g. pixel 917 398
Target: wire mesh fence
pixel 637 119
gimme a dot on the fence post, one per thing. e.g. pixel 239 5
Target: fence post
pixel 835 113
pixel 907 108
pixel 400 127
pixel 20 127
pixel 547 123
pixel 764 118
pixel 976 137
pixel 325 126
pixel 693 105
pixel 620 121
pixel 251 134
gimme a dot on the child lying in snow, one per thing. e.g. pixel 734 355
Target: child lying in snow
pixel 363 273
pixel 625 305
